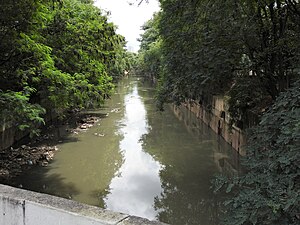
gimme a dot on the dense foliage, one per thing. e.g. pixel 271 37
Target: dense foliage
pixel 205 48
pixel 149 57
pixel 269 193
pixel 55 55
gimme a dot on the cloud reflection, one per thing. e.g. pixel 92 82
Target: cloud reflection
pixel 134 190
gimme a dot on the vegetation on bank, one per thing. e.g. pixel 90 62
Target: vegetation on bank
pixel 55 56
pixel 248 51
pixel 269 192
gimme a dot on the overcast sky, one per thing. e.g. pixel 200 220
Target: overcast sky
pixel 129 17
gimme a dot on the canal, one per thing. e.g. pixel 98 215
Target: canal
pixel 139 161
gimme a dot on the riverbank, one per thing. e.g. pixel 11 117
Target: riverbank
pixel 41 150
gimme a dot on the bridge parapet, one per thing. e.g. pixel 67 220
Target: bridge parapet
pixel 22 207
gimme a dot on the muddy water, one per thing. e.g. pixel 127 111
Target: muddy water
pixel 139 161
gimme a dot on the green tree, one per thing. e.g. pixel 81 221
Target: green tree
pixel 221 47
pixel 55 56
pixel 16 110
pixel 269 192
pixel 150 55
pixel 17 107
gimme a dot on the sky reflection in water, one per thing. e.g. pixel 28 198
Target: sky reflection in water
pixel 138 181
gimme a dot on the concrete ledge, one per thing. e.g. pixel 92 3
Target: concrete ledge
pixel 22 207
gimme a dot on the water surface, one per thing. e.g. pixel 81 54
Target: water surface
pixel 140 161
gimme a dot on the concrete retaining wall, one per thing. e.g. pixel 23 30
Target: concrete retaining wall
pixel 9 136
pixel 218 119
pixel 21 207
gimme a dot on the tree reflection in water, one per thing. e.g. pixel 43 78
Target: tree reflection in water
pixel 190 155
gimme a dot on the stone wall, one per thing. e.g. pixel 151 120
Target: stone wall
pixel 9 136
pixel 21 207
pixel 217 118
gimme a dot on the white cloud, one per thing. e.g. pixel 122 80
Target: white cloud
pixel 129 17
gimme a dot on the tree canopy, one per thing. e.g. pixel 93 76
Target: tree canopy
pixel 269 192
pixel 149 60
pixel 55 55
pixel 222 47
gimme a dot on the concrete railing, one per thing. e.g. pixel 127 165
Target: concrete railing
pixel 21 207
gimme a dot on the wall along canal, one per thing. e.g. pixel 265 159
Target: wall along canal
pixel 139 161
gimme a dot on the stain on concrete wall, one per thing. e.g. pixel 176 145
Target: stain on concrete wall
pixel 217 118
